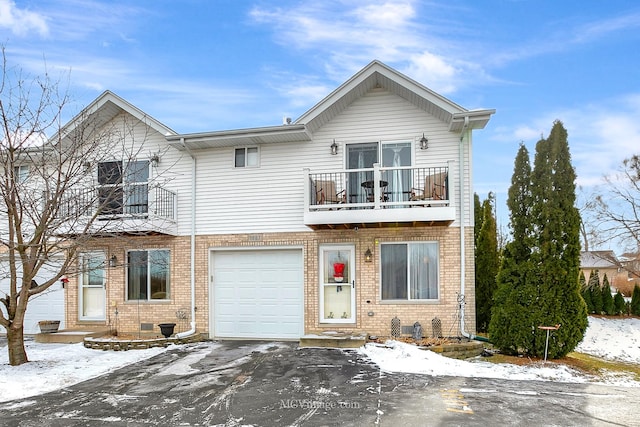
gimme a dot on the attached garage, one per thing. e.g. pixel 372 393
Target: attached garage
pixel 257 294
pixel 48 305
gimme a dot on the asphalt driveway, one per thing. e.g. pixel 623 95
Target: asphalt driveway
pixel 235 383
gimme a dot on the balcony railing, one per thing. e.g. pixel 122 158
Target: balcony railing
pixel 378 194
pixel 121 201
pixel 120 208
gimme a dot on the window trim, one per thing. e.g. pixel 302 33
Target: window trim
pixel 168 297
pixel 118 195
pixel 246 157
pixel 20 176
pixel 408 300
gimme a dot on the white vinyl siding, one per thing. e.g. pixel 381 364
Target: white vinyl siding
pixel 271 198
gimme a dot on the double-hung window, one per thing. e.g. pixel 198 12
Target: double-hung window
pixel 409 271
pixel 148 274
pixel 246 157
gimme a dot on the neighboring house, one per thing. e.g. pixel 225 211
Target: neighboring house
pixel 606 263
pixel 355 213
pixel 630 276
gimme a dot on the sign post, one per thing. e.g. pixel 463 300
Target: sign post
pixel 548 329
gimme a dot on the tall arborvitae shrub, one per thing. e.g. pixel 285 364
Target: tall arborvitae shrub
pixel 541 288
pixel 635 301
pixel 607 298
pixel 478 217
pixel 619 306
pixel 486 266
pixel 596 292
pixel 586 292
pixel 510 328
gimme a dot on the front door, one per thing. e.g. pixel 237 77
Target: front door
pixel 92 297
pixel 337 284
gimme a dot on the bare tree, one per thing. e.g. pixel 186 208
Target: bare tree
pixel 590 234
pixel 617 206
pixel 51 200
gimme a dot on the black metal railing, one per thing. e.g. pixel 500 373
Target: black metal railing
pixel 120 200
pixel 379 187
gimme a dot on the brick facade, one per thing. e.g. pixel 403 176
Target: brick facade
pixel 372 315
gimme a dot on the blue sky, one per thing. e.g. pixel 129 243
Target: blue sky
pixel 199 65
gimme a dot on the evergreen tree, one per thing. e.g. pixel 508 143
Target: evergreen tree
pixel 541 287
pixel 586 293
pixel 619 306
pixel 635 301
pixel 514 299
pixel 487 265
pixel 478 217
pixel 607 298
pixel 596 292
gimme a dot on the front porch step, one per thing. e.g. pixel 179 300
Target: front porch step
pixel 70 336
pixel 334 340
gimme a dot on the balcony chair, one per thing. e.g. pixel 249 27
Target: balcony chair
pixel 326 193
pixel 435 188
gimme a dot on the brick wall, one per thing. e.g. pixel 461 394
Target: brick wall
pixel 132 313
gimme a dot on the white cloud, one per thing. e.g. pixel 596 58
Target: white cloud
pixel 435 71
pixel 600 134
pixel 344 36
pixel 21 22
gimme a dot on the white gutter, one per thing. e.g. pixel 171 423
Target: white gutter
pixel 193 245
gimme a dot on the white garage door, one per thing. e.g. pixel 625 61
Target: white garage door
pixel 48 305
pixel 257 294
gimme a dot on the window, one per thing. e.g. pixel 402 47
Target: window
pixel 124 189
pixel 21 173
pixel 148 275
pixel 409 271
pixel 246 157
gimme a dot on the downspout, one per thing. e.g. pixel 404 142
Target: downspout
pixel 463 269
pixel 193 245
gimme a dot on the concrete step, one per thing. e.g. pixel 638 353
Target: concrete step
pixel 70 336
pixel 334 340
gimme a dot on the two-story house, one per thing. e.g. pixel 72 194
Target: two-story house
pixel 357 212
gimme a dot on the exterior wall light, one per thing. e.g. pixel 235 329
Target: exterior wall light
pixel 368 256
pixel 155 159
pixel 334 148
pixel 424 142
pixel 113 261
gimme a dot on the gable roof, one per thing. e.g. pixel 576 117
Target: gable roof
pixel 104 108
pixel 598 259
pixel 379 75
pixel 374 75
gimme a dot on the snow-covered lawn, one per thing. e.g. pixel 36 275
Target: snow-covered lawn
pixel 54 366
pixel 612 339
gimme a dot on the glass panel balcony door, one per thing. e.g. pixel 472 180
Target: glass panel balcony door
pixel 360 156
pixel 395 155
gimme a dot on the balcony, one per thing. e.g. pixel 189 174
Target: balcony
pixel 378 197
pixel 121 209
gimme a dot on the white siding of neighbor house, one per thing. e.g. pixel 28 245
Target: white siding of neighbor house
pixel 270 198
pixel 174 168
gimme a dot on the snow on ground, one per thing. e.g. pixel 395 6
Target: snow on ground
pixel 54 366
pixel 614 339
